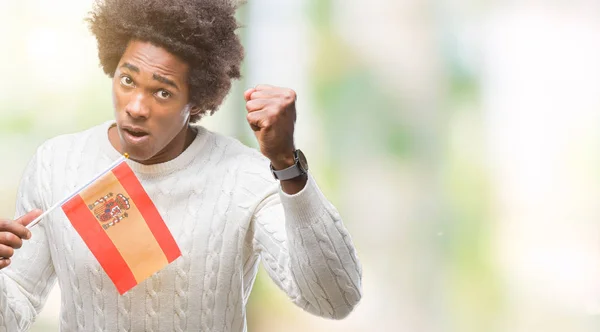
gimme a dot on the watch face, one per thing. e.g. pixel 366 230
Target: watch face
pixel 302 160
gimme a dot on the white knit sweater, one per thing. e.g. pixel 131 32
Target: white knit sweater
pixel 226 213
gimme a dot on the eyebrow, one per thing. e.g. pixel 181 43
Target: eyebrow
pixel 156 77
pixel 130 67
pixel 165 80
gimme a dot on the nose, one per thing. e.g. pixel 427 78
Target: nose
pixel 136 108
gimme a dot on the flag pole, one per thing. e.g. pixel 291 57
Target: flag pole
pixel 113 165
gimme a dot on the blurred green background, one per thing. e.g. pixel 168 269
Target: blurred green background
pixel 459 140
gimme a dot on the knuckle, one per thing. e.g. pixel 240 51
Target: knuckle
pixel 252 105
pixel 4 223
pixel 8 252
pixel 281 108
pixel 6 238
pixel 11 240
pixel 290 95
pixel 275 112
pixel 19 231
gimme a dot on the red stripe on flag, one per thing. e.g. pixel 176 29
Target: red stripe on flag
pixel 99 243
pixel 149 212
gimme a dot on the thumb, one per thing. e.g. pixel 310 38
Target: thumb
pixel 29 217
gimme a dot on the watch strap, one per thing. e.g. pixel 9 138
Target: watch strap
pixel 288 173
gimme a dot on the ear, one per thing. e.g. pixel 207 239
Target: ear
pixel 194 110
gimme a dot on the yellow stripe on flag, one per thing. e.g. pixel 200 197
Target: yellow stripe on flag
pixel 131 235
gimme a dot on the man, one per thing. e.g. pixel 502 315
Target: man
pixel 171 62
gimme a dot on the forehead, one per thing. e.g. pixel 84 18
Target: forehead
pixel 154 60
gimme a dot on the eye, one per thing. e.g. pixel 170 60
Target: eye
pixel 126 81
pixel 163 94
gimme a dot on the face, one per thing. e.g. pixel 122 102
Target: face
pixel 151 100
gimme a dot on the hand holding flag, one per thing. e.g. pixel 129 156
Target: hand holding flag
pixel 120 225
pixel 12 234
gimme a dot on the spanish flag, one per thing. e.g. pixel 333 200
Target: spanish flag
pixel 121 226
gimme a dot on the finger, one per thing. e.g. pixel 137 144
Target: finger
pixel 18 226
pixel 258 120
pixel 4 262
pixel 14 228
pixel 10 240
pixel 257 104
pixel 265 94
pixel 6 251
pixel 286 95
pixel 29 217
pixel 264 87
pixel 248 93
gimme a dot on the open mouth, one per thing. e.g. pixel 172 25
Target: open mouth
pixel 135 136
pixel 135 132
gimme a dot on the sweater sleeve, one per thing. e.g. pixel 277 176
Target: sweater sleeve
pixel 25 284
pixel 310 256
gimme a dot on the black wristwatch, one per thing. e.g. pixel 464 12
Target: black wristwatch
pixel 299 167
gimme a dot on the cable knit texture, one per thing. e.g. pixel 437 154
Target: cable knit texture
pixel 226 212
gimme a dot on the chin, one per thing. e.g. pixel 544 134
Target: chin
pixel 137 153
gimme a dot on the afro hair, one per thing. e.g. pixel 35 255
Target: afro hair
pixel 200 32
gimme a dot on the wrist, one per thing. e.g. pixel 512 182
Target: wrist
pixel 283 161
pixel 296 168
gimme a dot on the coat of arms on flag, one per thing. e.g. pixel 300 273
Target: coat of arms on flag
pixel 110 210
pixel 121 226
